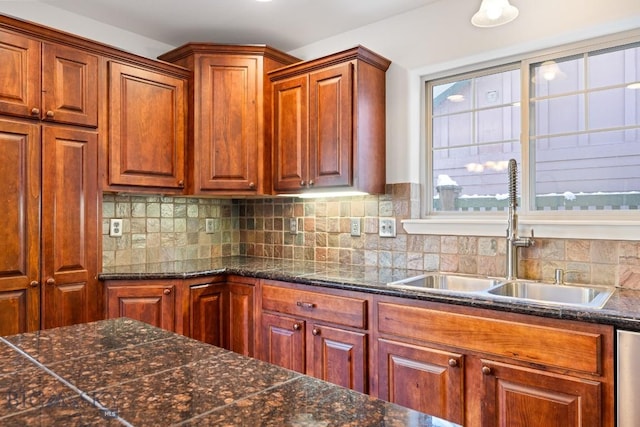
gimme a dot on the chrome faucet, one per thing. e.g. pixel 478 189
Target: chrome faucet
pixel 513 240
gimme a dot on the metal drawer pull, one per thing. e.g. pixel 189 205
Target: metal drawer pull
pixel 305 304
pixel 296 326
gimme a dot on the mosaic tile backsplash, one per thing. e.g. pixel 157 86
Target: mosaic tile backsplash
pixel 157 229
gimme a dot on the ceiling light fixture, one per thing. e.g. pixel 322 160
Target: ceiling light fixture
pixel 493 13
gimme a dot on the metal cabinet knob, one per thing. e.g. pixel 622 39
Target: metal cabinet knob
pixel 315 331
pixel 35 111
pixel 311 183
pixel 252 185
pixel 51 281
pixel 166 291
pixel 296 326
pixel 50 114
pixel 181 183
pixel 34 283
pixel 486 370
pixel 453 362
pixel 302 183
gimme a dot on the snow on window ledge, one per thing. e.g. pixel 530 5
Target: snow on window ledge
pixel 544 228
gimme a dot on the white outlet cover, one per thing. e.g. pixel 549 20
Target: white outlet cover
pixel 115 227
pixel 387 227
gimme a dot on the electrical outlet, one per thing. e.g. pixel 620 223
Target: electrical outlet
pixel 208 225
pixel 293 225
pixel 356 227
pixel 387 227
pixel 115 227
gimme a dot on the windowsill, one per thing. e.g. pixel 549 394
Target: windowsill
pixel 545 228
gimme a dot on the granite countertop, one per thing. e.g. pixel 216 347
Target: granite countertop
pixel 622 310
pixel 125 372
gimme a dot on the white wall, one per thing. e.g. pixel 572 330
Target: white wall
pixel 439 37
pixel 425 41
pixel 60 19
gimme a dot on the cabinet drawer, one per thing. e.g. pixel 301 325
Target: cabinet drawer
pixel 313 305
pixel 577 349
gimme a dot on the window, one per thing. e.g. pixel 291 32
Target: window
pixel 475 130
pixel 571 120
pixel 584 136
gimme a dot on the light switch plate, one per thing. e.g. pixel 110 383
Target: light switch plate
pixel 356 227
pixel 208 225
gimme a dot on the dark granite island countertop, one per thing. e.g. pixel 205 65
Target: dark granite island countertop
pixel 124 372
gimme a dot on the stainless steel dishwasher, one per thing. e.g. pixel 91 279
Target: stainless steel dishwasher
pixel 628 379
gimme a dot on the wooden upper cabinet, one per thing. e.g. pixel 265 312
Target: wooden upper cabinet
pixel 47 81
pixel 19 227
pixel 19 75
pixel 69 85
pixel 329 124
pixel 147 133
pixel 291 138
pixel 231 116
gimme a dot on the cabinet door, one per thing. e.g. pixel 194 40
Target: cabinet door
pixel 421 378
pixel 339 356
pixel 283 341
pixel 330 126
pixel 226 143
pixel 153 304
pixel 19 75
pixel 207 313
pixel 70 85
pixel 241 318
pixel 516 396
pixel 290 134
pixel 146 128
pixel 71 292
pixel 19 227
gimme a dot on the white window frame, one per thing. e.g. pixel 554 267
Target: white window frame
pixel 609 225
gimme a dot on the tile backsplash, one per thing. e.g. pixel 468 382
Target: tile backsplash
pixel 157 229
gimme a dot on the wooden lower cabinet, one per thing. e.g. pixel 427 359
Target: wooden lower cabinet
pixel 283 341
pixel 479 367
pixel 217 310
pixel 338 356
pixel 515 396
pixel 422 378
pixel 222 313
pixel 152 303
pixel 319 333
pixel 207 304
pixel 241 316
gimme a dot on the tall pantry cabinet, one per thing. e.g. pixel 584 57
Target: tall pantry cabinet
pixel 49 196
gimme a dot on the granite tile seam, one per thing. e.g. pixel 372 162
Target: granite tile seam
pixel 83 395
pixel 235 401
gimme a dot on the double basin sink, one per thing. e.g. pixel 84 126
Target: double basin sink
pixel 586 296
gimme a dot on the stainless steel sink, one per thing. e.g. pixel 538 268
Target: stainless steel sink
pixel 568 295
pixel 445 282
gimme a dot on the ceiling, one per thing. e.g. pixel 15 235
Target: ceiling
pixel 284 24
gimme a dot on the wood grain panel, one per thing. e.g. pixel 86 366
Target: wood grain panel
pixel 69 227
pixel 20 227
pixel 336 309
pixel 575 350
